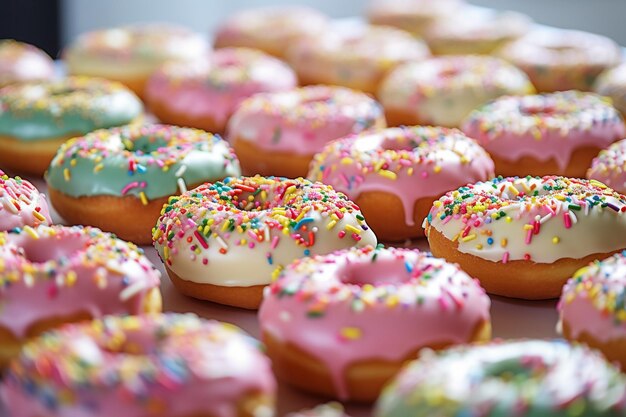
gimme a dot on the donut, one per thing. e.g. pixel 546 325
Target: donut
pixel 130 54
pixel 612 83
pixel 171 365
pixel 559 59
pixel 224 241
pixel 524 237
pixel 546 134
pixel 475 30
pixel 356 57
pixel 278 133
pixel 51 275
pixel 414 16
pixel 609 167
pixel 20 62
pixel 119 179
pixel 206 93
pixel 442 91
pixel 21 204
pixel 514 378
pixel 395 175
pixel 270 29
pixel 36 118
pixel 591 308
pixel 341 325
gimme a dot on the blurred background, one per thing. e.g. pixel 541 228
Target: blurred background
pixel 50 24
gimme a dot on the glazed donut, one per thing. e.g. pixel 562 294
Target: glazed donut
pixel 205 94
pixel 50 275
pixel 559 59
pixel 270 29
pixel 343 324
pixel 21 62
pixel 443 91
pixel 609 167
pixel 545 134
pixel 414 16
pixel 515 378
pixel 612 83
pixel 36 118
pixel 396 174
pixel 524 237
pixel 591 309
pixel 475 30
pixel 118 179
pixel 356 57
pixel 278 133
pixel 224 241
pixel 171 365
pixel 21 204
pixel 130 54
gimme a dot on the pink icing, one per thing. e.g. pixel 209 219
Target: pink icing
pixel 366 304
pixel 214 89
pixel 582 317
pixel 72 270
pixel 424 162
pixel 23 62
pixel 545 126
pixel 303 120
pixel 21 204
pixel 609 167
pixel 183 366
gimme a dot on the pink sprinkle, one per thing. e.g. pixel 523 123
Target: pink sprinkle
pixel 274 242
pixel 567 220
pixel 505 257
pixel 529 236
pixel 252 235
pixel 129 187
pixel 201 239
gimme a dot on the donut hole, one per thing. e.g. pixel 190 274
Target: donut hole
pixel 380 273
pixel 398 144
pixel 515 369
pixel 51 248
pixel 317 97
pixel 449 72
pixel 63 91
pixel 146 144
pixel 546 110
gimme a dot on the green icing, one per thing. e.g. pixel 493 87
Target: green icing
pixel 134 159
pixel 72 106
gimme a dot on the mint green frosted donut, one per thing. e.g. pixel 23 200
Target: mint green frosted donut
pixel 531 378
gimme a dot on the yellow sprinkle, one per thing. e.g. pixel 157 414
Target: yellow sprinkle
pixel 166 252
pixel 143 198
pixel 39 216
pixel 351 333
pixel 388 174
pixel 504 242
pixel 555 240
pixel 597 183
pixel 409 171
pixel 331 224
pixel 346 161
pixel 468 237
pixel 392 301
pixel 528 227
pixel 98 168
pixel 66 174
pixel 73 162
pixel 31 232
pixel 70 278
pixel 437 169
pixel 353 229
pixel 508 219
pixel 479 246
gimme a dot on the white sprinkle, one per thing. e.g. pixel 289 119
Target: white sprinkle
pixel 221 242
pixel 285 316
pixel 181 171
pixel 132 290
pixel 545 218
pixel 572 216
pixel 181 185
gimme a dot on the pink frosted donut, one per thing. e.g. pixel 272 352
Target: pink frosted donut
pixel 342 324
pixel 609 167
pixel 443 91
pixel 278 133
pixel 21 204
pixel 545 134
pixel 51 275
pixel 356 56
pixel 592 310
pixel 206 93
pixel 23 62
pixel 170 365
pixel 270 29
pixel 395 175
pixel 560 59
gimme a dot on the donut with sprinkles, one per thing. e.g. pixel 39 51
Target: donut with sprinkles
pixel 118 179
pixel 224 241
pixel 343 324
pixel 38 117
pixel 592 308
pixel 394 175
pixel 545 134
pixel 278 133
pixel 525 237
pixel 51 275
pixel 174 365
pixel 21 204
pixel 609 167
pixel 515 378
